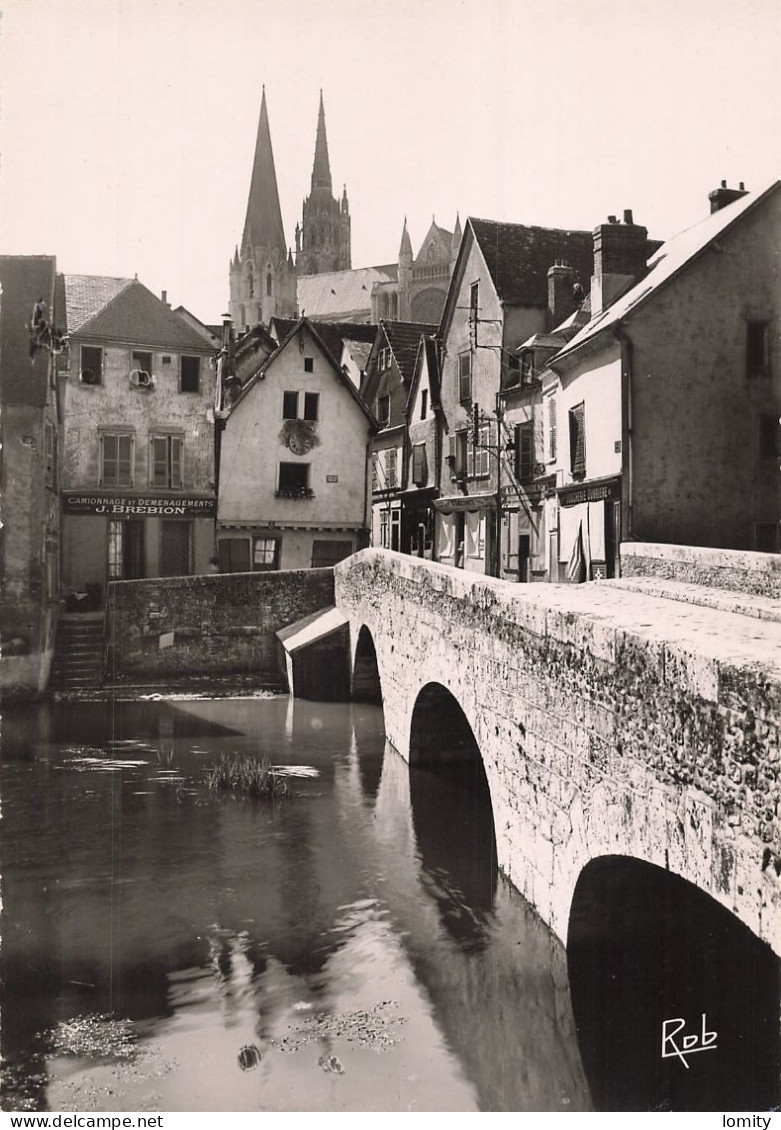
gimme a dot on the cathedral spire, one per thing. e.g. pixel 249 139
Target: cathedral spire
pixel 321 172
pixel 263 225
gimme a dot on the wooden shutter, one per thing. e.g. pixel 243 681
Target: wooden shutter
pixel 159 461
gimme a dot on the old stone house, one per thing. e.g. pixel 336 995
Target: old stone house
pixel 667 402
pixel 138 475
pixel 389 372
pixel 425 435
pixel 294 480
pixel 31 311
pixel 498 298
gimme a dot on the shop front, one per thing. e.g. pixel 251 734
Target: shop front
pixel 465 531
pixel 121 536
pixel 589 539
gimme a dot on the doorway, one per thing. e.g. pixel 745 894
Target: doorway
pixel 175 549
pixel 126 549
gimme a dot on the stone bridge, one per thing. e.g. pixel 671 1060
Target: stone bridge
pixel 612 722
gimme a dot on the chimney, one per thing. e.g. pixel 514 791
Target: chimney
pixel 620 254
pixel 722 196
pixel 560 299
pixel 164 298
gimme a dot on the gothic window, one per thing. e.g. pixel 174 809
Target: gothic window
pixel 268 284
pixel 250 283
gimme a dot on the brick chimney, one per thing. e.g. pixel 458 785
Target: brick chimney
pixel 560 300
pixel 620 254
pixel 722 196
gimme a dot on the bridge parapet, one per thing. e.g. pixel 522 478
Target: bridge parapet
pixel 610 722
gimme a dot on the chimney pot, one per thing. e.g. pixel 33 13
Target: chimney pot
pixel 723 184
pixel 612 220
pixel 164 296
pixel 628 216
pixel 742 186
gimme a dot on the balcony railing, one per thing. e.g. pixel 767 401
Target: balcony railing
pixel 294 492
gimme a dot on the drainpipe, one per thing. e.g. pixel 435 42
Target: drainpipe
pixel 627 424
pixel 367 528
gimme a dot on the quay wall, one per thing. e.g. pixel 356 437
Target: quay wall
pixel 175 627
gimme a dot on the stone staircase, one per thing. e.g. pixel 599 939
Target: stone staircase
pixel 78 652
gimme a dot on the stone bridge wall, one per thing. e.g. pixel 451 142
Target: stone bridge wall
pixel 605 727
pixel 739 571
pixel 176 627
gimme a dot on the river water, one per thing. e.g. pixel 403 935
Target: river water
pixel 347 948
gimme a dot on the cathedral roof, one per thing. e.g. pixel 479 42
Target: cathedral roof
pixel 321 171
pixel 263 225
pixel 342 295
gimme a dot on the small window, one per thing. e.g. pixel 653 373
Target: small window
pixel 166 462
pixel 423 403
pixel 577 440
pixel 294 481
pixel 458 454
pixel 757 349
pixel 769 437
pixel 474 299
pixel 311 405
pixel 309 364
pixel 91 372
pixel 383 410
pixel 419 465
pixel 524 451
pixel 190 379
pixel 527 366
pixel 142 361
pixel 265 554
pixel 478 455
pixel 465 378
pixel 116 460
pixel 290 406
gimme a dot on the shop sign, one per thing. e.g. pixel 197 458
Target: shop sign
pixel 572 496
pixel 184 506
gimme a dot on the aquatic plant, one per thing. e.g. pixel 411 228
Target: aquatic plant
pixel 247 775
pixel 94 1037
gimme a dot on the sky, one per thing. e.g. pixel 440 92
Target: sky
pixel 127 127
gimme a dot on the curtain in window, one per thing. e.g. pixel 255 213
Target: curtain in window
pixel 447 535
pixel 472 534
pixel 596 530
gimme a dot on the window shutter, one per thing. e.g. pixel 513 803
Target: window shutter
pixel 552 450
pixel 176 461
pixel 419 467
pixel 159 461
pixel 577 432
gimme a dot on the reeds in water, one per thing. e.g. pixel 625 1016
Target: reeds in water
pixel 246 775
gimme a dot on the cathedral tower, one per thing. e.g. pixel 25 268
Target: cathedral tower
pixel 323 239
pixel 262 274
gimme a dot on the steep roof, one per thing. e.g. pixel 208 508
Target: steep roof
pixel 342 294
pixel 263 224
pixel 24 279
pixel 334 334
pixel 404 339
pixel 668 261
pixel 334 361
pixel 518 257
pixel 86 295
pixel 131 314
pixel 428 348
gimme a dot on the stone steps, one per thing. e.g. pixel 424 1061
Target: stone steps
pixel 78 653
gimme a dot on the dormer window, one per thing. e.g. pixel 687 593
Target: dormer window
pixel 383 410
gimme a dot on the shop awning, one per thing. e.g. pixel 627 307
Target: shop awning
pixel 469 502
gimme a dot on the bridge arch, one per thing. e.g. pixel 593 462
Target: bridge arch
pixel 366 683
pixel 452 810
pixel 645 946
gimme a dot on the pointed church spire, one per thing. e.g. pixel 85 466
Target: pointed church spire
pixel 405 247
pixel 263 225
pixel 321 171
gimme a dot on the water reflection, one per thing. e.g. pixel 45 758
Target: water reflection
pixel 315 955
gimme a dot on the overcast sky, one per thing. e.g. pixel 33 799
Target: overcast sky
pixel 128 126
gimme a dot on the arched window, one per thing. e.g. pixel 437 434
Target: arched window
pixel 268 283
pixel 250 282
